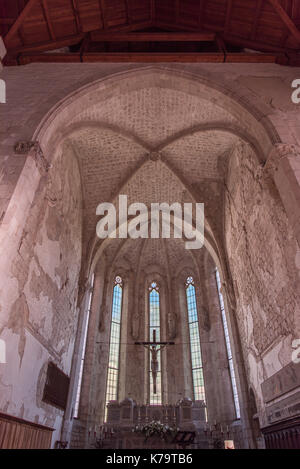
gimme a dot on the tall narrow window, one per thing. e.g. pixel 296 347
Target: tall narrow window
pixel 197 368
pixel 77 401
pixel 114 345
pixel 228 347
pixel 154 325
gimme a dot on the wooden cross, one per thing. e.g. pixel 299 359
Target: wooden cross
pixel 154 348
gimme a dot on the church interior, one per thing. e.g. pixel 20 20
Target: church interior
pixel 137 342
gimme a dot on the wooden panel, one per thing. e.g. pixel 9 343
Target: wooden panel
pixel 11 11
pixel 165 11
pixel 57 384
pixel 151 57
pixel 215 13
pixel 283 435
pixel 90 15
pixel 63 18
pixel 17 433
pixel 34 28
pixel 188 12
pixel 154 37
pixel 115 12
pixel 139 10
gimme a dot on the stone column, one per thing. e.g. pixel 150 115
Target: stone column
pixel 76 363
pixel 89 399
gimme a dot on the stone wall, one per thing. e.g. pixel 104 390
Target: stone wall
pixel 40 264
pixel 263 259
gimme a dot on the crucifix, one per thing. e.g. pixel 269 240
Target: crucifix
pixel 154 348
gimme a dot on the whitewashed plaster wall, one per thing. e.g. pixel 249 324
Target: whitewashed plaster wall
pixel 40 263
pixel 263 256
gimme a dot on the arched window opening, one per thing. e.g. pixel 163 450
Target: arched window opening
pixel 155 398
pixel 228 347
pixel 114 344
pixel 78 393
pixel 195 346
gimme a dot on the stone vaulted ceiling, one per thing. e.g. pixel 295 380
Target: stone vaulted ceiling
pixel 154 145
pixel 103 30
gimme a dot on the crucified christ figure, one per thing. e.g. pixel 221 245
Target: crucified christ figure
pixel 154 348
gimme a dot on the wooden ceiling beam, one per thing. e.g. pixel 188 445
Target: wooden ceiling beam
pixel 49 45
pixel 228 16
pixel 48 20
pixel 286 19
pixel 152 10
pixel 76 15
pixel 19 21
pixel 152 57
pixel 256 45
pixel 128 16
pixel 177 5
pixel 122 29
pixel 201 11
pixel 102 10
pixel 256 19
pixel 98 36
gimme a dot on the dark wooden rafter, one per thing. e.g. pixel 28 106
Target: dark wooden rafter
pixel 228 16
pixel 286 19
pixel 152 10
pixel 184 57
pixel 154 37
pixel 201 12
pixel 20 34
pixel 128 15
pixel 177 6
pixel 45 8
pixel 259 4
pixel 85 44
pixel 76 15
pixel 102 10
pixel 19 21
pixel 49 45
pixel 221 44
pixel 224 34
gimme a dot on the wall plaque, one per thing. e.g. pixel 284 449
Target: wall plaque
pixel 282 382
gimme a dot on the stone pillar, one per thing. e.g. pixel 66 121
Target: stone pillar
pixel 76 363
pixel 89 399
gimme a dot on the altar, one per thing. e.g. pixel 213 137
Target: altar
pixel 175 426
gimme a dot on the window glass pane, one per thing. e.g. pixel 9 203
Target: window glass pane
pixel 114 344
pixel 195 347
pixel 228 347
pixel 154 324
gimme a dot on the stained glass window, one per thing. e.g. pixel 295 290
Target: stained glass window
pixel 228 347
pixel 195 347
pixel 114 344
pixel 154 325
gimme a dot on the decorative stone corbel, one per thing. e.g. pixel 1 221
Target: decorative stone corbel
pixel 33 149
